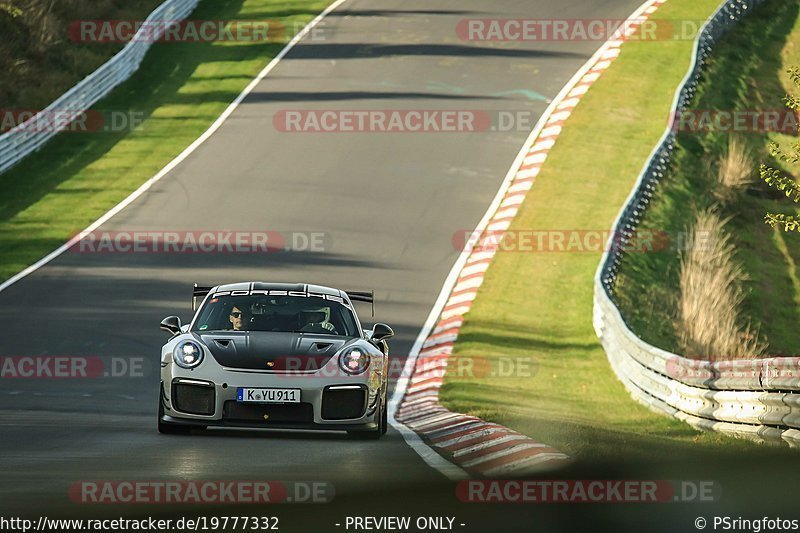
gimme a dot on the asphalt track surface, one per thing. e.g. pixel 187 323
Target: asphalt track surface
pixel 388 204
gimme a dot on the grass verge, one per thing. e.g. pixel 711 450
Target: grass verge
pixel 180 89
pixel 746 73
pixel 540 304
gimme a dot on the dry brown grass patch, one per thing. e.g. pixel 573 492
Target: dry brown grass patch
pixel 708 324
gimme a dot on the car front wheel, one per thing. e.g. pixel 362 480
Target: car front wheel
pixel 165 428
pixel 376 433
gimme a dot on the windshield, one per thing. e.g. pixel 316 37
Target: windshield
pixel 261 312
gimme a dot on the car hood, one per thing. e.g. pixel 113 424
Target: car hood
pixel 273 351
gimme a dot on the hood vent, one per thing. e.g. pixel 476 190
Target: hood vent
pixel 273 351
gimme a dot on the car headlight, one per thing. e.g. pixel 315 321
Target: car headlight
pixel 354 361
pixel 187 354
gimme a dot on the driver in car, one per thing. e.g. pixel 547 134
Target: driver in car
pixel 315 322
pixel 239 319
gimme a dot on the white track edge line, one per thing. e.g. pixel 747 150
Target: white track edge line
pixel 428 454
pixel 181 157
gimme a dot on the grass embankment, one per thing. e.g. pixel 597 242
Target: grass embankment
pixel 540 304
pixel 39 60
pixel 181 88
pixel 747 72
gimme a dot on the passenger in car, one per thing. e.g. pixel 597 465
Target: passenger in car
pixel 314 322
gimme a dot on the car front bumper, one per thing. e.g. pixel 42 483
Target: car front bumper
pixel 207 396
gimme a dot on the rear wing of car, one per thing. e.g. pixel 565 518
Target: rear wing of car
pixel 199 292
pixel 363 296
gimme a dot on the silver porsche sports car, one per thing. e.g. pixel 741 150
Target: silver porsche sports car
pixel 275 355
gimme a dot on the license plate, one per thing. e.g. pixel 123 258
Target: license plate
pixel 249 395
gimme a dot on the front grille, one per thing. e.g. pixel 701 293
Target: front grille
pixel 343 404
pixel 193 399
pixel 295 413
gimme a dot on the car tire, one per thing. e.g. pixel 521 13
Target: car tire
pixel 385 420
pixel 165 428
pixel 376 433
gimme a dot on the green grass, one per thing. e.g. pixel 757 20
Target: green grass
pixel 746 72
pixel 539 305
pixel 39 60
pixel 180 89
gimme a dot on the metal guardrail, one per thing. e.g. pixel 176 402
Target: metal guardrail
pixel 27 138
pixel 759 399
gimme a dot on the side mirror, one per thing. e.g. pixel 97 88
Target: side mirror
pixel 381 332
pixel 171 324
